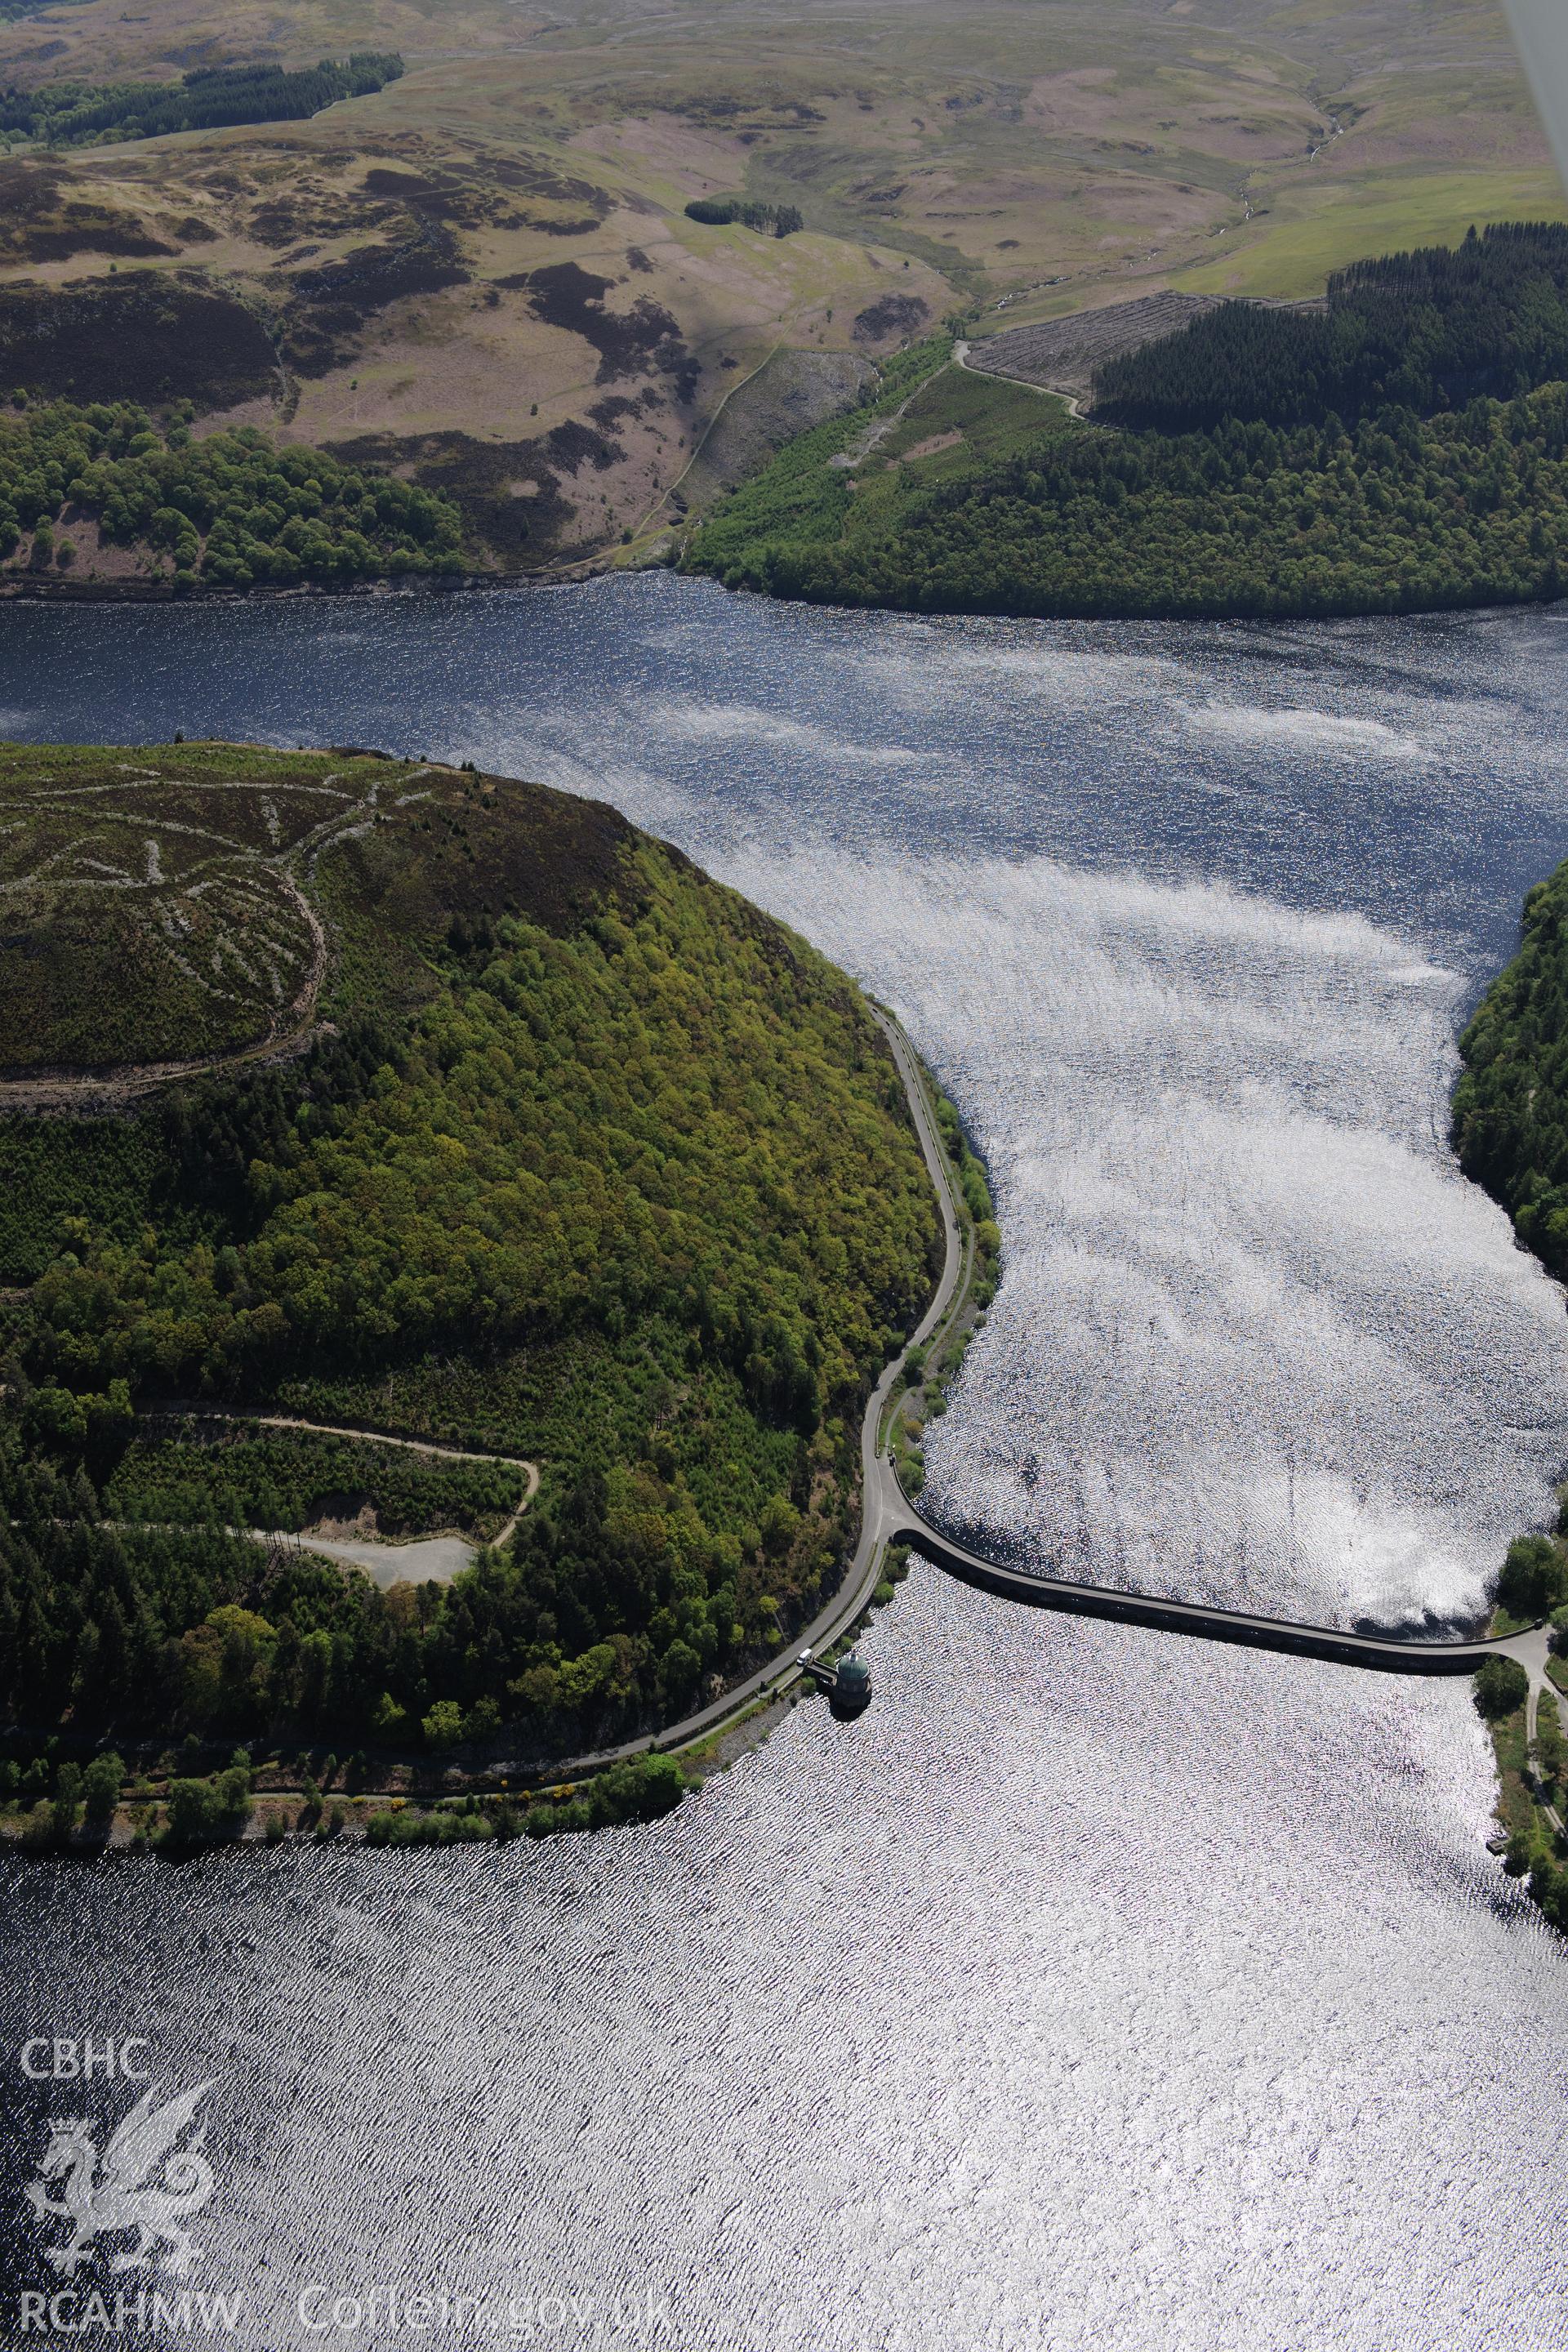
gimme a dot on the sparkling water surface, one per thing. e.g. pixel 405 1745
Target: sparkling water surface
pixel 1099 1987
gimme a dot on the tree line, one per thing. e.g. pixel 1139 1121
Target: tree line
pixel 1509 1116
pixel 226 511
pixel 1509 1128
pixel 76 113
pixel 1398 514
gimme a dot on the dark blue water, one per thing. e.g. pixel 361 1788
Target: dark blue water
pixel 1099 1988
pixel 1406 769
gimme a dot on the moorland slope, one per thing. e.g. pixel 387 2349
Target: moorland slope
pixel 511 1128
pixel 482 276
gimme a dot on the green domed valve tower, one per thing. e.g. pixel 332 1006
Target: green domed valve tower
pixel 851 1692
pixel 847 1684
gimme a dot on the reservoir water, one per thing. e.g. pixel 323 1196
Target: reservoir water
pixel 1098 1986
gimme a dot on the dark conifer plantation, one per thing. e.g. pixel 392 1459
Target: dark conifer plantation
pixel 1424 330
pixel 73 113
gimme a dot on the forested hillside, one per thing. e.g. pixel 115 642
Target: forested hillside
pixel 1313 481
pixel 577 1157
pixel 1418 330
pixel 1399 514
pixel 85 490
pixel 1511 1106
pixel 1511 1131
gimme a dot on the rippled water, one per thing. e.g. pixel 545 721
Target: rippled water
pixel 1099 1987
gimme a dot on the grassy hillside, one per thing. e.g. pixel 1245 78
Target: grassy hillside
pixel 511 1128
pixel 484 273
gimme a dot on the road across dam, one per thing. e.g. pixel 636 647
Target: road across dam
pixel 1384 1653
pixel 889 1518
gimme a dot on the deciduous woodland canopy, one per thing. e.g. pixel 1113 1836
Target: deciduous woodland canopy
pixel 617 1175
pixel 229 510
pixel 1405 453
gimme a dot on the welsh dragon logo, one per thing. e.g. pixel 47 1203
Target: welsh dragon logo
pixel 144 2181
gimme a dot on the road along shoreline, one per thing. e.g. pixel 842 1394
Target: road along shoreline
pixel 837 1616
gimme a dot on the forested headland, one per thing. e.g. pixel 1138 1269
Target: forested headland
pixel 553 1147
pixel 1511 1132
pixel 1406 449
